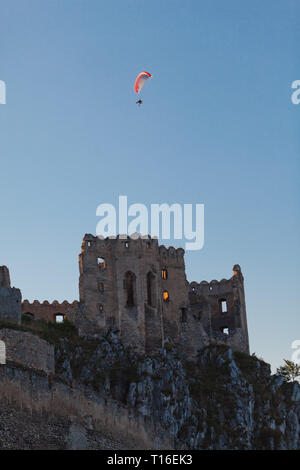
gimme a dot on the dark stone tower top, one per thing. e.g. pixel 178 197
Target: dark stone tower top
pixel 10 298
pixel 4 277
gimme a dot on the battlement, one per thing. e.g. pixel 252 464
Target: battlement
pixel 215 287
pixel 123 246
pixel 47 311
pixel 145 243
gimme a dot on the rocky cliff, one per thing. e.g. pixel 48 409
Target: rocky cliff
pixel 105 392
pixel 224 400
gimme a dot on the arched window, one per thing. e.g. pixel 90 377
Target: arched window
pixel 151 294
pixel 164 274
pixel 100 286
pixel 166 296
pixel 129 285
pixel 101 263
pixel 59 318
pixel 28 316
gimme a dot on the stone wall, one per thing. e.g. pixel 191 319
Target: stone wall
pixel 220 306
pixel 135 286
pixel 236 340
pixel 28 350
pixel 46 311
pixel 10 298
pixel 10 304
pixel 121 285
pixel 4 277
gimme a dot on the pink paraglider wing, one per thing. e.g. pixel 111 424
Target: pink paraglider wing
pixel 141 80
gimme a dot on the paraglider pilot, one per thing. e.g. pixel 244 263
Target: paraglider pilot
pixel 139 83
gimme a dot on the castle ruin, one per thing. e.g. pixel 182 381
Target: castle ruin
pixel 10 298
pixel 139 288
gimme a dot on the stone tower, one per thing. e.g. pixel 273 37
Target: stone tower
pixel 10 298
pixel 134 285
pixel 140 289
pixel 4 277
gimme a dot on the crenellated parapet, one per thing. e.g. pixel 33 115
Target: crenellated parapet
pixel 215 287
pixel 171 256
pixel 108 244
pixel 47 311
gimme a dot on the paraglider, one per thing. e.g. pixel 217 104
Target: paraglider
pixel 140 82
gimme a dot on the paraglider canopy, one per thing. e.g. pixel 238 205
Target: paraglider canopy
pixel 141 80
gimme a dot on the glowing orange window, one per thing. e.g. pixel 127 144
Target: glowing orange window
pixel 164 274
pixel 165 295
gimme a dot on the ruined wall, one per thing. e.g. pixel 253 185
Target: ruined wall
pixel 192 338
pixel 10 298
pixel 224 325
pixel 4 277
pixel 237 340
pixel 46 311
pixel 28 350
pixel 139 288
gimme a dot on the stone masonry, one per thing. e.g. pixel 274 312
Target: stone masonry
pixel 139 288
pixel 10 298
pixel 28 350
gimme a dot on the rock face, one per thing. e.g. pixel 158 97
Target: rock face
pixel 101 389
pixel 224 400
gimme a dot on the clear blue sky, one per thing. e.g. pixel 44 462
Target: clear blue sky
pixel 217 127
